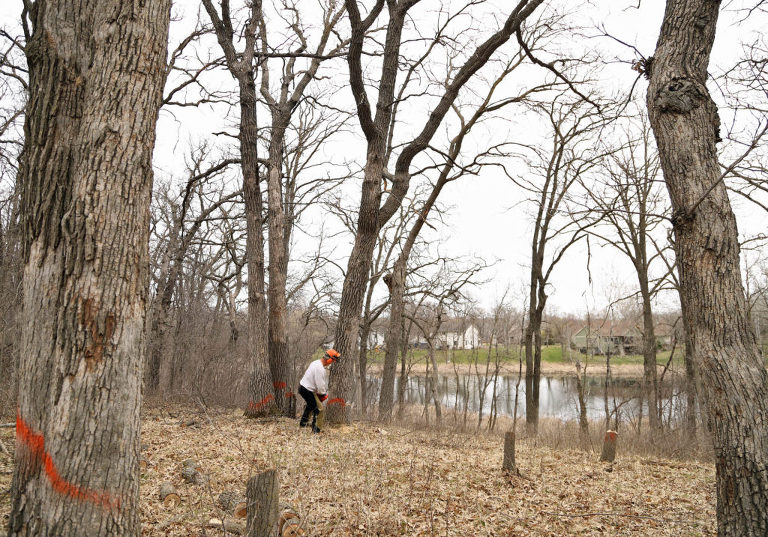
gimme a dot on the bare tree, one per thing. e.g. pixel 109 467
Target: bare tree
pixel 181 231
pixel 241 66
pixel 555 171
pixel 13 97
pixel 629 203
pixel 372 213
pixel 292 87
pixel 734 378
pixel 450 169
pixel 86 181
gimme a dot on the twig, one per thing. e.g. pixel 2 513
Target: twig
pixel 7 425
pixel 5 450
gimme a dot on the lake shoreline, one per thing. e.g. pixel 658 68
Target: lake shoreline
pixel 627 371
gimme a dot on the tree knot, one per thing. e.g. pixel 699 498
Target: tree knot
pixel 681 218
pixel 679 95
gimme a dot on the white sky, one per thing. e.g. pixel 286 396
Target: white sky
pixel 486 219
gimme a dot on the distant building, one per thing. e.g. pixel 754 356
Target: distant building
pixel 458 334
pixel 618 338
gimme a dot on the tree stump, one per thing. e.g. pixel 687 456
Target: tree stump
pixel 509 452
pixel 609 446
pixel 168 495
pixel 263 498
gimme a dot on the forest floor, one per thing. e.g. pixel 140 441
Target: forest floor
pixel 371 480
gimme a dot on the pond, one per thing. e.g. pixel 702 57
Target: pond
pixel 558 396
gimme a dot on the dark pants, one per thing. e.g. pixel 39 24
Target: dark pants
pixel 312 407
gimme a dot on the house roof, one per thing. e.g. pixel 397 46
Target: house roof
pixel 607 327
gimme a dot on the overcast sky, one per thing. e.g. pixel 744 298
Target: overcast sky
pixel 486 217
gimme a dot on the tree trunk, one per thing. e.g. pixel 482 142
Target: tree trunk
pixel 435 391
pixel 532 370
pixel 650 378
pixel 690 381
pixel 261 397
pixel 86 182
pixel 580 389
pixel 365 331
pixel 396 283
pixel 358 268
pixel 734 379
pixel 278 260
pixel 690 374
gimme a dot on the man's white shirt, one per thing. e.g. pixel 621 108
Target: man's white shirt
pixel 316 377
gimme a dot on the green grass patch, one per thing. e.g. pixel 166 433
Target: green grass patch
pixel 552 354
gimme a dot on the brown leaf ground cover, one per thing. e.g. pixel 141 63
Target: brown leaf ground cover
pixel 369 480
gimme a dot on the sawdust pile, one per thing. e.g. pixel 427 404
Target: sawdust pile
pixel 366 480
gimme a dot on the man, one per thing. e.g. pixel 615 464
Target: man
pixel 314 389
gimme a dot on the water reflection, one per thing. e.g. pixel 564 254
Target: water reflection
pixel 558 396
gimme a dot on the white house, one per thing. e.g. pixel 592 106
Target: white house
pixel 458 337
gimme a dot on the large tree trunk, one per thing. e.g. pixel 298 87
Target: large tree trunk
pixel 734 378
pixel 261 398
pixel 86 181
pixel 358 268
pixel 278 264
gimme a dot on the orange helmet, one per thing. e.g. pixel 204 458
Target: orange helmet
pixel 332 354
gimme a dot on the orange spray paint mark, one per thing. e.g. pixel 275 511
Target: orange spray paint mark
pixel 289 394
pixel 35 443
pixel 338 401
pixel 257 406
pixel 280 385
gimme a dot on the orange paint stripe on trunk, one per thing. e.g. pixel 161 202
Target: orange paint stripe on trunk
pixel 256 406
pixel 280 385
pixel 35 442
pixel 337 400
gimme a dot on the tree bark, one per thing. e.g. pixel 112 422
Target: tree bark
pixel 278 263
pixel 508 464
pixel 533 362
pixel 396 283
pixel 263 496
pixel 96 74
pixel 650 378
pixel 260 385
pixel 734 379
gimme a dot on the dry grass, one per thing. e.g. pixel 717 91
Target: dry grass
pixel 367 480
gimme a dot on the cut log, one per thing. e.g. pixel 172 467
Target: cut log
pixel 191 474
pixel 290 523
pixel 262 494
pixel 168 495
pixel 509 452
pixel 609 446
pixel 233 503
pixel 229 526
